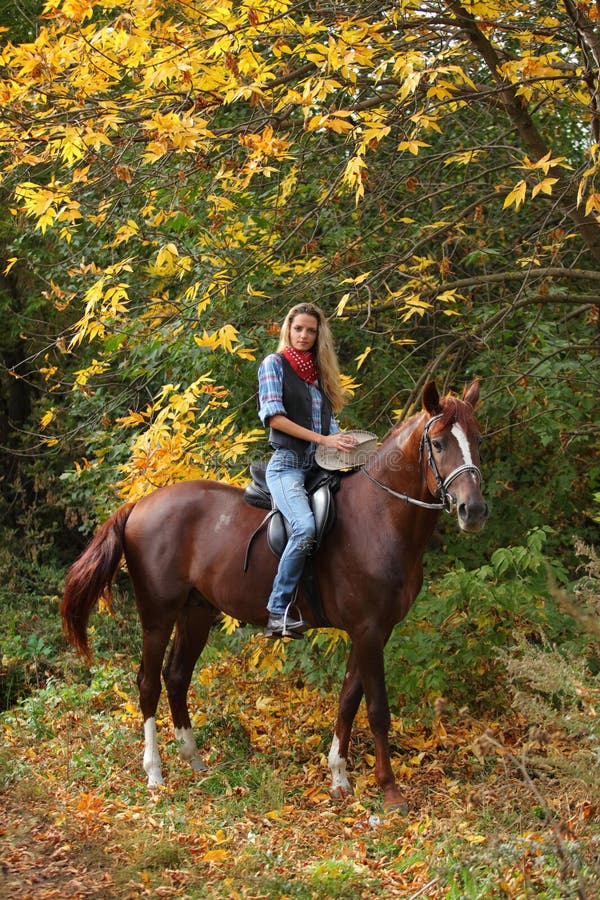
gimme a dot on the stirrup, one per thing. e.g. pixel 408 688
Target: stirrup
pixel 281 625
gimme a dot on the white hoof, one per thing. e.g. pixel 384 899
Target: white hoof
pixel 155 782
pixel 188 750
pixel 341 792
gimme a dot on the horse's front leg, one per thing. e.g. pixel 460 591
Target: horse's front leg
pixel 369 655
pixel 350 697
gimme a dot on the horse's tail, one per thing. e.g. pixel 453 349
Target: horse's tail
pixel 90 576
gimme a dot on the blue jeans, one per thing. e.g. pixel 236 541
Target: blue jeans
pixel 286 475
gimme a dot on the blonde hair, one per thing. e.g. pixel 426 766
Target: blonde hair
pixel 325 356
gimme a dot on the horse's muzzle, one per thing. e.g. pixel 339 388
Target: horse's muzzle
pixel 472 514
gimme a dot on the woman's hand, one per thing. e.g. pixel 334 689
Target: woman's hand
pixel 339 441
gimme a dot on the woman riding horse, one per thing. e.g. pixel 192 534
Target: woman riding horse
pixel 299 388
pixel 185 548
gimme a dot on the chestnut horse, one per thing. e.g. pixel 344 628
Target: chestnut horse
pixel 185 547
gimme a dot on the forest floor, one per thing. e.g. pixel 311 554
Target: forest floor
pixel 493 811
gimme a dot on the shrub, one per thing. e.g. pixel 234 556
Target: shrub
pixel 448 644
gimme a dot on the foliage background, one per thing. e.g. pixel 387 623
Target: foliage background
pixel 175 175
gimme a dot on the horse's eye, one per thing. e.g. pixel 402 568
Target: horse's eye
pixel 437 445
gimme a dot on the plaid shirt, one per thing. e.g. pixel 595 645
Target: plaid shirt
pixel 270 394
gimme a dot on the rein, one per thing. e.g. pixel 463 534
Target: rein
pixel 447 500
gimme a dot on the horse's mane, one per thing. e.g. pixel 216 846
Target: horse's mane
pixel 456 411
pixel 452 409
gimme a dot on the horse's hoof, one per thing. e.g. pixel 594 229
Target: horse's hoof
pixel 155 786
pixel 396 805
pixel 341 793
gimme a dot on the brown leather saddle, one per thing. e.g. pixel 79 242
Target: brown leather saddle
pixel 320 487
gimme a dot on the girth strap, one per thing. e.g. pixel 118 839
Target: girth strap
pixel 265 521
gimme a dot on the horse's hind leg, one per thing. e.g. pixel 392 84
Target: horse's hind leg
pixel 350 697
pixel 154 644
pixel 191 634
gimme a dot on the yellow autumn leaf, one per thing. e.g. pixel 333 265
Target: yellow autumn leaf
pixel 316 795
pixel 219 837
pixel 412 146
pixel 252 292
pixel 463 159
pixel 545 163
pixel 227 337
pixel 47 418
pixel 592 203
pixel 207 340
pixel 77 10
pixel 135 418
pixel 375 131
pixel 125 232
pixel 218 855
pixel 337 124
pixel 130 710
pixel 358 280
pixel 245 353
pixel 342 305
pixel 165 258
pixel 544 186
pixel 516 196
pixel 155 150
pixel 48 372
pixel 349 384
pixel 229 624
pixel 72 148
pixel 353 175
pixel 441 90
pixel 361 358
pixel 82 376
pixel 417 759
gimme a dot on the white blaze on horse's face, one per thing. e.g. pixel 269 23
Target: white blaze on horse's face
pixel 471 507
pixel 463 443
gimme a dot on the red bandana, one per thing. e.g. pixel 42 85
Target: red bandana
pixel 303 363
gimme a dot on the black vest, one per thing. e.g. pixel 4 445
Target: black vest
pixel 298 407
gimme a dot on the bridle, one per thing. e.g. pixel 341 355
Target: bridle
pixel 447 500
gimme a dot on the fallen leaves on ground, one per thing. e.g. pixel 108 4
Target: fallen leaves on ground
pixel 77 821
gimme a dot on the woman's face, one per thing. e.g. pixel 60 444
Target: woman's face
pixel 303 331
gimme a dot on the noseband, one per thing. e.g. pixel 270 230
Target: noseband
pixel 447 500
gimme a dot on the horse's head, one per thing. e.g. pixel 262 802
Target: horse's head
pixel 450 444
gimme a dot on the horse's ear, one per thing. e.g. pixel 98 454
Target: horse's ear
pixel 431 399
pixel 471 394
